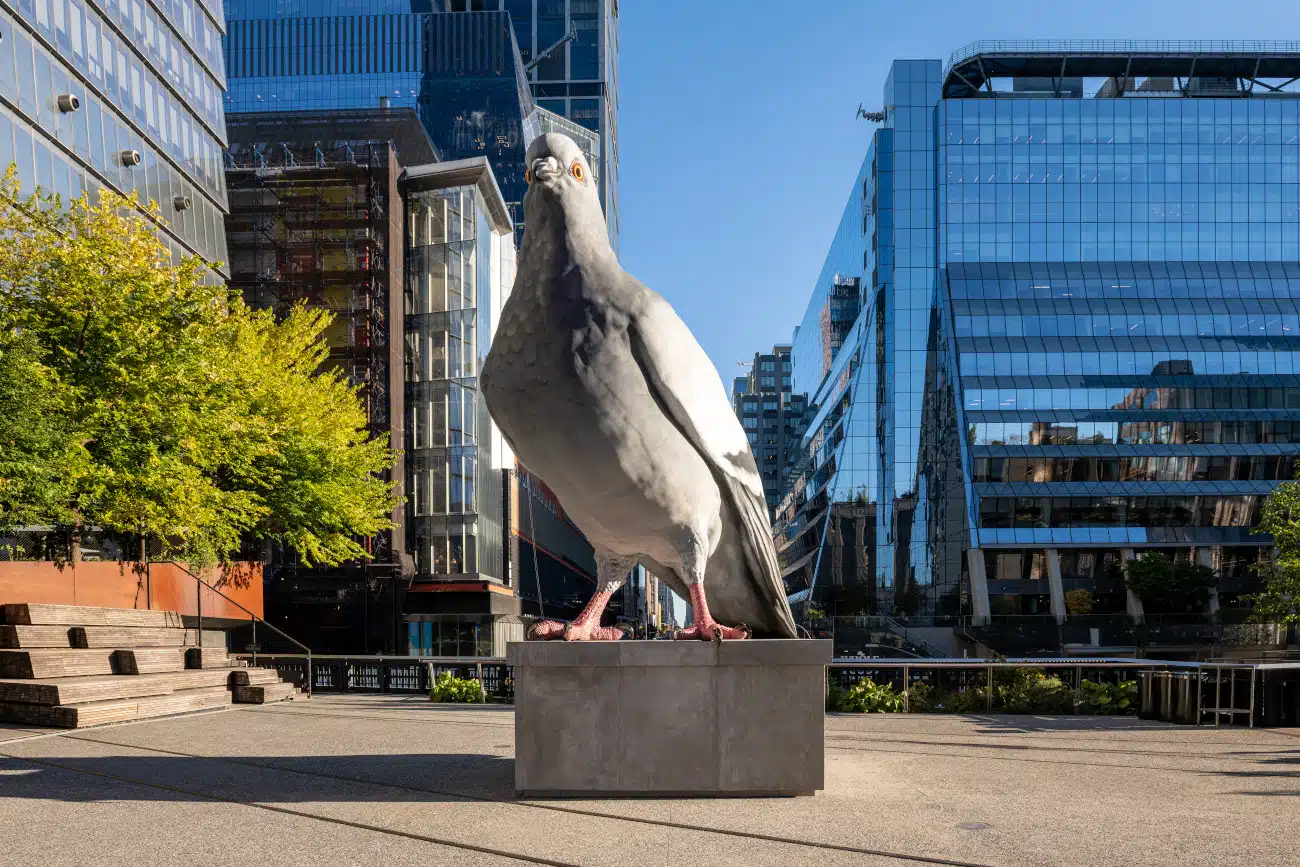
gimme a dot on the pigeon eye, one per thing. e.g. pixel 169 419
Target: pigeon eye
pixel 576 170
pixel 528 176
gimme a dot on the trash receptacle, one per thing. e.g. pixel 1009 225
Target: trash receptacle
pixel 1271 710
pixel 1150 692
pixel 1183 692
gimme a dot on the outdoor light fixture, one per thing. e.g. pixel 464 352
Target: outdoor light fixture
pixel 130 158
pixel 182 203
pixel 68 102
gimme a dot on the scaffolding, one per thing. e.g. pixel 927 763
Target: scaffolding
pixel 312 226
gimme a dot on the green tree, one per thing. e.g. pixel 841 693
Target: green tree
pixel 1078 601
pixel 1279 601
pixel 1166 585
pixel 149 400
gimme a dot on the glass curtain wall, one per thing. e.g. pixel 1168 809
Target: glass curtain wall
pixel 454 495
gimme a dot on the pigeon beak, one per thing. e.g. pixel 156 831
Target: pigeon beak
pixel 545 168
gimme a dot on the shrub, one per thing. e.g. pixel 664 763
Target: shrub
pixel 968 701
pixel 867 696
pixel 1030 690
pixel 923 698
pixel 450 688
pixel 1116 699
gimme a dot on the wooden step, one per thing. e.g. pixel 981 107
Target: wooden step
pixel 27 637
pixel 93 713
pixel 77 690
pixel 211 657
pixel 74 690
pixel 211 638
pixel 264 693
pixel 149 660
pixel 254 676
pixel 30 614
pixel 56 662
pixel 124 636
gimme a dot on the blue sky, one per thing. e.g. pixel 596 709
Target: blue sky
pixel 738 141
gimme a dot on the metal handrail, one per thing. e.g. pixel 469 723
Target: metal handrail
pixel 254 618
pixel 900 629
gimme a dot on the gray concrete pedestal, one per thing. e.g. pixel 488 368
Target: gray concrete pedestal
pixel 669 718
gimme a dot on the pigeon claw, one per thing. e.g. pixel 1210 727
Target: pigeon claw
pixel 588 632
pixel 712 630
pixel 546 630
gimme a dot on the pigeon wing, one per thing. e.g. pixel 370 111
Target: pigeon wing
pixel 687 386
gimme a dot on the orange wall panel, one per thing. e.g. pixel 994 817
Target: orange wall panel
pixel 163 586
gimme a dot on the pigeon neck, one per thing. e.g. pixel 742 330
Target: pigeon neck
pixel 565 243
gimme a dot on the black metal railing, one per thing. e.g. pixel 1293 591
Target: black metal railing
pixel 1264 694
pixel 410 675
pixel 302 676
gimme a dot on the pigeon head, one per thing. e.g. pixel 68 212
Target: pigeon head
pixel 558 174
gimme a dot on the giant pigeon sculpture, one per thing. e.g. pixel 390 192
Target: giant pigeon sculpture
pixel 603 392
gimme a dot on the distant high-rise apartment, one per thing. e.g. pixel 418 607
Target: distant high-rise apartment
pixel 1074 277
pixel 120 96
pixel 772 417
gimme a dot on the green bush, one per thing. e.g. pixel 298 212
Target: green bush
pixel 923 698
pixel 866 696
pixel 1030 690
pixel 1115 699
pixel 450 688
pixel 968 701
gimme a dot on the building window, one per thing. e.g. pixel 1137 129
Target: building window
pixel 767 366
pixel 768 382
pixel 751 423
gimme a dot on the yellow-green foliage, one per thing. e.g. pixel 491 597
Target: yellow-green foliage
pixel 464 690
pixel 138 398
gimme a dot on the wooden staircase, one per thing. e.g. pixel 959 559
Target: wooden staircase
pixel 73 666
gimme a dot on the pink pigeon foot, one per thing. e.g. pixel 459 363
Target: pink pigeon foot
pixel 705 627
pixel 546 630
pixel 585 628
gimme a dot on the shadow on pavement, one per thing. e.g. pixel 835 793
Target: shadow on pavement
pixel 271 780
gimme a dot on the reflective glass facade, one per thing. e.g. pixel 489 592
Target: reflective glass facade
pixel 1077 336
pixel 460 262
pixel 461 73
pixel 147 79
pixel 577 77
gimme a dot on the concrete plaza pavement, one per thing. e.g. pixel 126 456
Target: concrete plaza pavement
pixel 392 780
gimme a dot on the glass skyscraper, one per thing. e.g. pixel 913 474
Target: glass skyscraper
pixel 1079 268
pixel 464 74
pixel 122 95
pixel 570 54
pixel 461 74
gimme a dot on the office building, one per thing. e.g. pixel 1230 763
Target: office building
pixel 570 60
pixel 1078 267
pixel 316 218
pixel 460 266
pixel 461 74
pixel 124 97
pixel 772 418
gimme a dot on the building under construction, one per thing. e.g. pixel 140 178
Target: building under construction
pixel 322 226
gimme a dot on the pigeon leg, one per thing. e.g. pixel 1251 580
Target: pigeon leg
pixel 611 572
pixel 705 627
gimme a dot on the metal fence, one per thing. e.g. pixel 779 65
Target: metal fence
pixel 1185 692
pixel 389 674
